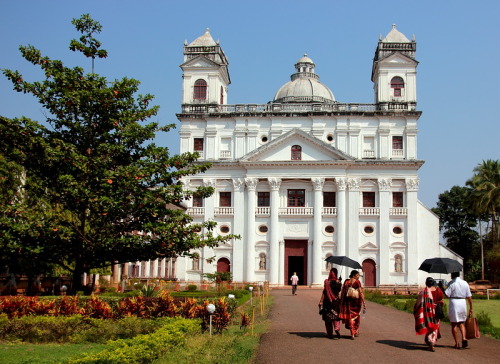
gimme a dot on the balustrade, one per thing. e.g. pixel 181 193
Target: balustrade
pixel 287 211
pixel 224 211
pixel 398 211
pixel 369 211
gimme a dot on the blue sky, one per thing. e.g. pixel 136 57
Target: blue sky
pixel 458 46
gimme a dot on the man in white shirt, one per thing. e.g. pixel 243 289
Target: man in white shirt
pixel 458 291
pixel 295 281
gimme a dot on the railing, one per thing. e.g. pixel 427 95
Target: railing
pixel 224 211
pixel 397 153
pixel 398 211
pixel 369 211
pixel 225 154
pixel 287 211
pixel 368 153
pixel 196 211
pixel 332 211
pixel 263 211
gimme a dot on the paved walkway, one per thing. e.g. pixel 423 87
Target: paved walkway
pixel 297 335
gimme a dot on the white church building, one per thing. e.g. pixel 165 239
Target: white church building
pixel 305 176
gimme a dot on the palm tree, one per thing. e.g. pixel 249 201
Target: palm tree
pixel 485 196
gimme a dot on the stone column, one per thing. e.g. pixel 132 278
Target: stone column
pixel 317 257
pixel 341 215
pixel 384 188
pixel 281 261
pixel 251 184
pixel 352 236
pixel 155 269
pixel 209 204
pixel 412 257
pixel 238 227
pixel 116 273
pixel 275 262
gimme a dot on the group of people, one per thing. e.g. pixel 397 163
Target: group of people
pixel 345 303
pixel 428 310
pixel 342 302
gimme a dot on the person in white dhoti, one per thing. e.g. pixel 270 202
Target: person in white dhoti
pixel 458 291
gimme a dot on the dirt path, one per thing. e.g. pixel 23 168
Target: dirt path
pixel 297 335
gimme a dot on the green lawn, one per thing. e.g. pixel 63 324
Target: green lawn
pixel 491 307
pixel 43 353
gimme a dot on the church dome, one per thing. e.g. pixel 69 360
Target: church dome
pixel 304 86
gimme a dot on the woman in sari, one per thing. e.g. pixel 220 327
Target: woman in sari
pixel 352 302
pixel 426 322
pixel 329 304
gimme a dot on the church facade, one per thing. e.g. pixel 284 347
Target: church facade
pixel 305 177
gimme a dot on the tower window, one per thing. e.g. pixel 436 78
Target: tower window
pixel 263 199
pixel 221 95
pixel 296 198
pixel 398 85
pixel 197 201
pixel 397 142
pixel 200 90
pixel 296 153
pixel 198 144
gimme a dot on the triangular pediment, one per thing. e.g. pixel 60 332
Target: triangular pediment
pixel 199 62
pixel 397 58
pixel 369 246
pixel 279 149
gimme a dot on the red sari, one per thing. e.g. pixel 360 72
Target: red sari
pixel 350 308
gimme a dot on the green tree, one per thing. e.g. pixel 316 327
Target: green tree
pixel 485 201
pixel 457 224
pixel 105 192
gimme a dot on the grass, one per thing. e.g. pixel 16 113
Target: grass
pixel 20 353
pixel 491 307
pixel 233 346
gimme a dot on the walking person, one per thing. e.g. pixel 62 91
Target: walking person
pixel 351 304
pixel 458 291
pixel 329 304
pixel 424 311
pixel 295 281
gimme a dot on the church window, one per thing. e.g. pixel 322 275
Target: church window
pixel 197 201
pixel 225 199
pixel 398 85
pixel 221 95
pixel 397 199
pixel 200 90
pixel 397 230
pixel 397 142
pixel 296 198
pixel 328 199
pixel 368 199
pixel 263 199
pixel 224 229
pixel 296 153
pixel 263 228
pixel 329 229
pixel 198 144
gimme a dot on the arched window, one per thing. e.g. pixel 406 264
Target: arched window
pixel 200 90
pixel 398 85
pixel 296 153
pixel 221 95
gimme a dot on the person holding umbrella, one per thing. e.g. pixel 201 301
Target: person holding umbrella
pixel 329 303
pixel 458 291
pixel 352 302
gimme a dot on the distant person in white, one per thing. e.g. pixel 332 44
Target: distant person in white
pixel 295 282
pixel 458 291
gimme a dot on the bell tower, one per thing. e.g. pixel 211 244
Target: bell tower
pixel 205 74
pixel 394 70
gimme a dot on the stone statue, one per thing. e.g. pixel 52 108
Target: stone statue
pixel 196 263
pixel 262 262
pixel 398 264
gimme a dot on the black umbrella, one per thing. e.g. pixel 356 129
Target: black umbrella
pixel 343 260
pixel 440 265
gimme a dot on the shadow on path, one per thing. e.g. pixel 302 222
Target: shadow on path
pixel 309 335
pixel 400 344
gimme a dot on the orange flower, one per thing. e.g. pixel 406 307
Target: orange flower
pixel 110 181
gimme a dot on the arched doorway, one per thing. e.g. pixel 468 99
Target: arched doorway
pixel 370 273
pixel 223 265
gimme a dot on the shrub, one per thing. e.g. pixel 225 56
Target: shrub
pixel 192 287
pixel 483 319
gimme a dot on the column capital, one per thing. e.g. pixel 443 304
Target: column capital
pixel 209 182
pixel 251 183
pixel 384 184
pixel 238 184
pixel 318 183
pixel 412 184
pixel 341 183
pixel 353 184
pixel 186 182
pixel 275 183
